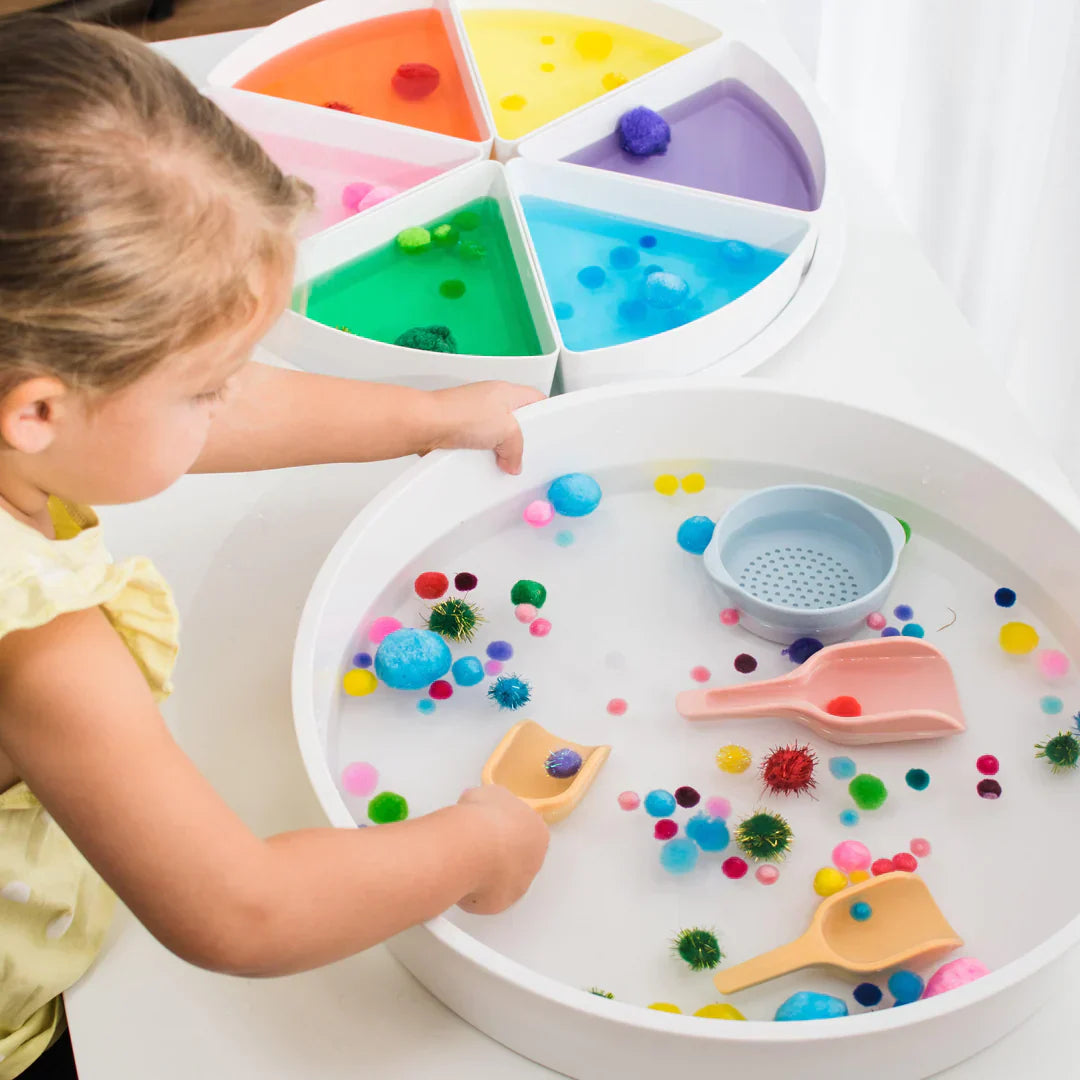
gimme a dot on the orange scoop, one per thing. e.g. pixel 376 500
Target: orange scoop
pixel 905 928
pixel 904 687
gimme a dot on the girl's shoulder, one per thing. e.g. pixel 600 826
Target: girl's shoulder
pixel 42 578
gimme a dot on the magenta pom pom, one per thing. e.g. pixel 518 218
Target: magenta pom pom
pixel 540 628
pixel 954 974
pixel 539 513
pixel 352 194
pixel 385 624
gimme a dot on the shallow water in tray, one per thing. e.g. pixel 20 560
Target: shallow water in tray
pixel 631 615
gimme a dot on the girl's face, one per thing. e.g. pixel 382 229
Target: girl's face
pixel 128 445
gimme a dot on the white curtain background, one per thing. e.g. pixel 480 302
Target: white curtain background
pixel 968 112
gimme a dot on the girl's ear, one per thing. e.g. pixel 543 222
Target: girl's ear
pixel 29 414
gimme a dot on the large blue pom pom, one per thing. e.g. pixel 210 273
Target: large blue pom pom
pixel 411 659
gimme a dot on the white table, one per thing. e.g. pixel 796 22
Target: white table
pixel 241 553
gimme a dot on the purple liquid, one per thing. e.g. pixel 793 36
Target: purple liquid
pixel 726 139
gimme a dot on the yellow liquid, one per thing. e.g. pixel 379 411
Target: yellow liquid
pixel 538 65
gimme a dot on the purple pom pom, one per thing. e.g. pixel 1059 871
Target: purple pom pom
pixel 643 132
pixel 563 763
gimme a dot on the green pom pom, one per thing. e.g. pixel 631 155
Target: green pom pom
pixel 471 250
pixel 444 235
pixel 466 220
pixel 413 241
pixel 1062 751
pixel 699 948
pixel 429 338
pixel 387 806
pixel 602 993
pixel 455 619
pixel 764 837
pixel 868 792
pixel 528 592
pixel 907 530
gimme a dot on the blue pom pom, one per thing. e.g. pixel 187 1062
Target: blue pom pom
pixel 808 1005
pixel 890 631
pixel 679 856
pixel 867 994
pixel 913 629
pixel 623 257
pixel 861 911
pixel 643 132
pixel 849 818
pixel 563 310
pixel 562 764
pixel 633 311
pixel 664 290
pixel 799 651
pixel 905 986
pixel 500 650
pixel 411 659
pixel 509 692
pixel 467 671
pixel 1004 597
pixel 736 254
pixel 592 277
pixel 659 803
pixel 362 659
pixel 843 768
pixel 695 533
pixel 709 833
pixel 574 495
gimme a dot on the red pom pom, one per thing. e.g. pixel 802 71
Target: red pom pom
pixel 908 863
pixel 734 867
pixel 431 585
pixel 339 105
pixel 440 690
pixel 789 769
pixel 844 706
pixel 665 829
pixel 882 866
pixel 415 81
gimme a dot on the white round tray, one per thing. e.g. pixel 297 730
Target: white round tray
pixel 1003 878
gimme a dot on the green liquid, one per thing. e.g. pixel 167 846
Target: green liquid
pixel 386 292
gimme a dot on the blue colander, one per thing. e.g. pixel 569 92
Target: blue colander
pixel 803 561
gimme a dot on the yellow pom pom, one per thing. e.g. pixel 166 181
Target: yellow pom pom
pixel 859 876
pixel 593 45
pixel 665 1006
pixel 513 102
pixel 693 483
pixel 1018 638
pixel 733 759
pixel 666 484
pixel 722 1011
pixel 359 682
pixel 613 79
pixel 829 880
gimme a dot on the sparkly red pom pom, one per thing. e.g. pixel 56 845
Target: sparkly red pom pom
pixel 789 769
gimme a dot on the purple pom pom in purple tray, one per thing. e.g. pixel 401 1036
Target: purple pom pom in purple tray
pixel 643 132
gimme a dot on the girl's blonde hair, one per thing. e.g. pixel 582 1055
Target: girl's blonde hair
pixel 132 209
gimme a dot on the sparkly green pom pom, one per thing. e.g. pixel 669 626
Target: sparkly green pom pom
pixel 699 948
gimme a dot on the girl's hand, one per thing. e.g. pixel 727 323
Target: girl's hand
pixel 480 416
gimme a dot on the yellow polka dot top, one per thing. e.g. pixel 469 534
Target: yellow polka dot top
pixel 54 909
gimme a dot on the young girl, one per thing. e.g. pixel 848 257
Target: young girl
pixel 146 244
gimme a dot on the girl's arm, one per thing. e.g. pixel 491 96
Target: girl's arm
pixel 78 721
pixel 272 418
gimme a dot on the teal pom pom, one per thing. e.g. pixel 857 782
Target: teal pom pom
pixel 428 338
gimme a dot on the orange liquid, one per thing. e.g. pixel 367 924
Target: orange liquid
pixel 354 65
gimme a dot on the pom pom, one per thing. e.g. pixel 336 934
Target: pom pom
pixel 736 254
pixel 623 257
pixel 528 592
pixel 687 796
pixel 359 682
pixel 799 651
pixel 905 986
pixel 861 911
pixel 431 585
pixel 592 277
pixel 789 770
pixel 829 880
pixel 441 690
pixel 904 612
pixel 744 664
pixel 665 829
pixel 466 220
pixel 385 624
pixel 411 659
pixel 987 764
pixel 665 1006
pixel 733 759
pixel 699 948
pixel 659 803
pixel 718 807
pixel 467 671
pixel 764 837
pixel 563 763
pixel 710 834
pixel 428 339
pixel 1062 751
pixel 525 613
pixel 867 994
pixel 720 1011
pixel 1018 638
pixel 375 196
pixel 414 81
pixel 339 106
pixel 905 862
pixel 954 974
pixel 679 856
pixel 695 533
pixel 917 779
pixel 359 778
pixel 664 290
pixel 767 875
pixel 388 806
pixel 363 659
pixel 843 768
pixel 808 1005
pixel 500 650
pixel 882 866
pixel 593 45
pixel 574 495
pixel 851 855
pixel 875 621
pixel 455 619
pixel 452 289
pixel 629 800
pixel 988 789
pixel 540 628
pixel 1004 597
pixel 643 132
pixel 734 867
pixel 445 235
pixel 1053 663
pixel 539 513
pixel 616 706
pixel 913 629
pixel 920 847
pixel 601 993
pixel 868 792
pixel 729 616
pixel 353 193
pixel 845 705
pixel 465 582
pixel 413 240
pixel 509 692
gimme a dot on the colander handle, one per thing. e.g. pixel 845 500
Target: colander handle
pixel 771 698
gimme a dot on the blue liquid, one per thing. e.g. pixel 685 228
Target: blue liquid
pixel 593 271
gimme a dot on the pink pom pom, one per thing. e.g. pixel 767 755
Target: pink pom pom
pixel 385 624
pixel 493 667
pixel 851 855
pixel 359 778
pixel 375 196
pixel 616 706
pixel 700 674
pixel 920 847
pixel 954 974
pixel 629 800
pixel 539 513
pixel 353 193
pixel 729 616
pixel 525 613
pixel 876 621
pixel 718 807
pixel 767 875
pixel 1053 663
pixel 539 628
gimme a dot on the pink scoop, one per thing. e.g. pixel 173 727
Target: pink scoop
pixel 904 686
